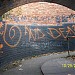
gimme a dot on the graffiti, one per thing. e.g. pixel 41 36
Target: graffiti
pixel 1 46
pixel 33 33
pixel 11 37
pixel 61 32
pixel 51 33
pixel 42 45
pixel 56 20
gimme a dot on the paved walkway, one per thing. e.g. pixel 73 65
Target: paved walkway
pixel 33 66
pixel 58 67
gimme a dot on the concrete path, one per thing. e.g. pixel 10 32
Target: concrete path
pixel 33 66
pixel 59 67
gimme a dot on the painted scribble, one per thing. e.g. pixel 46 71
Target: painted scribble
pixel 36 33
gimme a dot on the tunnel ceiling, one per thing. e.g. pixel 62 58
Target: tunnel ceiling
pixel 6 5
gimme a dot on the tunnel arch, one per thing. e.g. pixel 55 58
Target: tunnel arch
pixel 8 5
pixel 39 11
pixel 50 39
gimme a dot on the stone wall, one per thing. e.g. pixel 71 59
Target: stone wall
pixel 39 13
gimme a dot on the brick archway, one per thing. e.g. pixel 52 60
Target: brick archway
pixel 6 5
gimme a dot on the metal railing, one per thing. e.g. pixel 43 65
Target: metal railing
pixel 68 37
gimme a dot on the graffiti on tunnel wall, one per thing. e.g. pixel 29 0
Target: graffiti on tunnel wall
pixel 35 29
pixel 34 33
pixel 55 20
pixel 37 26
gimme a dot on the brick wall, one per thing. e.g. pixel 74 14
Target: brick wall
pixel 6 5
pixel 40 13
